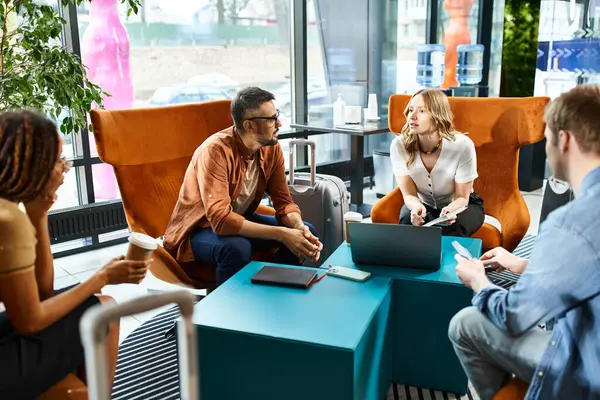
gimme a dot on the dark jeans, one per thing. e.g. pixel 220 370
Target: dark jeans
pixel 466 224
pixel 231 253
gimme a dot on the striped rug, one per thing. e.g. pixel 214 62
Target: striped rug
pixel 147 366
pixel 402 392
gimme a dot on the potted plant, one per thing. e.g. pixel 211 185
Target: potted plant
pixel 37 71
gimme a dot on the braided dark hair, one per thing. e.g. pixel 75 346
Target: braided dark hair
pixel 29 144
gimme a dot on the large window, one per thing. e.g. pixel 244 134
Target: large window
pixel 188 51
pixel 412 25
pixel 569 37
pixel 68 191
pixel 351 51
pixel 497 36
pixel 458 19
pixel 175 52
pixel 331 71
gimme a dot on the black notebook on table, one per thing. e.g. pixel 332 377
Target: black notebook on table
pixel 280 276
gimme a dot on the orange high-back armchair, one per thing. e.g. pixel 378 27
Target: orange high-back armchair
pixel 499 127
pixel 70 388
pixel 150 150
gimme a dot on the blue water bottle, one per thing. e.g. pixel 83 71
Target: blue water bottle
pixel 469 69
pixel 430 65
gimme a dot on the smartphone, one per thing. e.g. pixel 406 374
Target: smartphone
pixel 461 250
pixel 348 273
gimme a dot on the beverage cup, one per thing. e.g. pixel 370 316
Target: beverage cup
pixel 350 216
pixel 140 247
pixel 372 106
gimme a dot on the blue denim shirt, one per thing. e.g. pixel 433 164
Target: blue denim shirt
pixel 561 282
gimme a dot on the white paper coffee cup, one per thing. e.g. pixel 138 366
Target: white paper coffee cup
pixel 372 106
pixel 140 247
pixel 350 216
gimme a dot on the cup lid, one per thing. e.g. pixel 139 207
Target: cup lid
pixel 353 216
pixel 143 241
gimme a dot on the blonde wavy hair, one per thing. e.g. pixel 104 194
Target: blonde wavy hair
pixel 438 107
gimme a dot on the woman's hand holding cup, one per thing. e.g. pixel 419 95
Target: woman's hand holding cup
pixel 132 267
pixel 119 270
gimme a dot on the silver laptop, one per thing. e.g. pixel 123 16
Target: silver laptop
pixel 405 246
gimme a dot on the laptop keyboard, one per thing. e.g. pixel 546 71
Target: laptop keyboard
pixel 504 279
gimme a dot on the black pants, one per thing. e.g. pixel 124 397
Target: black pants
pixel 467 222
pixel 30 365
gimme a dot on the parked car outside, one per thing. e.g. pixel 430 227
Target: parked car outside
pixel 185 93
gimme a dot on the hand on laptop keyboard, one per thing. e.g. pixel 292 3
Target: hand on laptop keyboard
pixel 500 259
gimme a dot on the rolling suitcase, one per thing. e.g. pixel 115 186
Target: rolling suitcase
pixel 94 328
pixel 323 200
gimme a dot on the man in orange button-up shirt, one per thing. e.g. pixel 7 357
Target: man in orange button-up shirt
pixel 214 221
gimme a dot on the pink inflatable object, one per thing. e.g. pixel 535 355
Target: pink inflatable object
pixel 105 53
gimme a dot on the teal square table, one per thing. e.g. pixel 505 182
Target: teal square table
pixel 330 341
pixel 423 302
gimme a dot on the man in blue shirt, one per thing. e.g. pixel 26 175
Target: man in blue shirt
pixel 499 337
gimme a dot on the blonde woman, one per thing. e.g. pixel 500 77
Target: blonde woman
pixel 435 166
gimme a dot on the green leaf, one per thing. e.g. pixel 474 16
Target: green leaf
pixel 38 72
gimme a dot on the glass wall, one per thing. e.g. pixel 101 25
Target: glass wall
pixel 352 52
pixel 457 24
pixel 68 191
pixel 332 65
pixel 495 71
pixel 188 51
pixel 412 33
pixel 184 51
pixel 568 47
pixel 458 19
pixel 176 52
pixel 569 43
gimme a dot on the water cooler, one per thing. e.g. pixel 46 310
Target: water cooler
pixel 469 71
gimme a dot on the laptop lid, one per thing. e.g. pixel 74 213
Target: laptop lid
pixel 405 246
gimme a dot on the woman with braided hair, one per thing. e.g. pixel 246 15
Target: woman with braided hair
pixel 39 331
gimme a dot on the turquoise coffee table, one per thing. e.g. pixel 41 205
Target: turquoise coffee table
pixel 423 304
pixel 331 341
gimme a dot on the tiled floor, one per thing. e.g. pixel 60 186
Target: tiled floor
pixel 78 268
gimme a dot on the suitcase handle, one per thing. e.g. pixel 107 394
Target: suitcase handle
pixel 94 328
pixel 313 165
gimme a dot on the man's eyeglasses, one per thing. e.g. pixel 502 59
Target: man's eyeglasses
pixel 273 118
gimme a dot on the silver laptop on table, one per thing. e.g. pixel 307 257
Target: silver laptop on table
pixel 395 245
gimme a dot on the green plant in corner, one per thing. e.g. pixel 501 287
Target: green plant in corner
pixel 37 71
